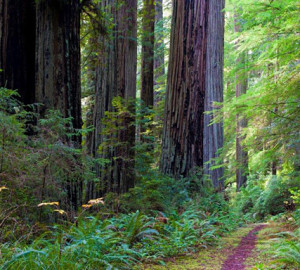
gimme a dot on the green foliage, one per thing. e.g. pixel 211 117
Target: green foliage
pixel 266 196
pixel 287 249
pixel 119 242
pixel 247 198
pixel 34 168
pixel 295 196
pixel 269 39
pixel 138 227
pixel 276 198
pixel 160 217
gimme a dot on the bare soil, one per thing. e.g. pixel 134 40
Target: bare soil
pixel 242 251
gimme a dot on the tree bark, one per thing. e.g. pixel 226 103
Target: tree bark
pixel 58 58
pixel 213 134
pixel 58 70
pixel 17 47
pixel 116 77
pixel 159 55
pixel 147 70
pixel 182 147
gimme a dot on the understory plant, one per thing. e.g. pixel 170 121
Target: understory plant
pixel 119 242
pixel 287 250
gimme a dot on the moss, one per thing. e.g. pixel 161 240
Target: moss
pixel 214 257
pixel 261 258
pixel 211 258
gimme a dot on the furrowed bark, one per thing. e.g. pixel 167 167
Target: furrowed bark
pixel 58 58
pixel 182 148
pixel 116 77
pixel 147 64
pixel 213 134
pixel 147 70
pixel 159 56
pixel 58 70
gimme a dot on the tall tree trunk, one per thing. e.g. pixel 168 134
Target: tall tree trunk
pixel 159 56
pixel 147 65
pixel 241 86
pixel 17 47
pixel 90 61
pixel 182 147
pixel 147 78
pixel 58 57
pixel 213 134
pixel 116 77
pixel 58 67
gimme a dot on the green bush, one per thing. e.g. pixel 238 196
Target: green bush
pixel 276 198
pixel 269 195
pixel 246 199
pixel 122 241
pixel 34 168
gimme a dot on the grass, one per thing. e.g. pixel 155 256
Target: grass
pixel 262 258
pixel 211 258
pixel 267 240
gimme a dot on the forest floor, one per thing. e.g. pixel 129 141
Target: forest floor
pixel 244 249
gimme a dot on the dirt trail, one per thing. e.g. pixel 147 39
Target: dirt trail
pixel 236 251
pixel 242 251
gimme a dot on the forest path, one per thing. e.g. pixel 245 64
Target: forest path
pixel 242 249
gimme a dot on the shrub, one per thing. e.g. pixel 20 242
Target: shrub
pixel 276 198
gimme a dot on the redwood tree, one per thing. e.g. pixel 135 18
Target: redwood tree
pixel 213 134
pixel 182 147
pixel 58 57
pixel 147 70
pixel 116 77
pixel 159 61
pixel 58 70
pixel 17 47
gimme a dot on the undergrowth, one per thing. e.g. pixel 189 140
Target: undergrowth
pixel 121 241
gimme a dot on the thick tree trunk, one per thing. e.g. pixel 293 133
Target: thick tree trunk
pixel 147 77
pixel 159 55
pixel 58 58
pixel 182 148
pixel 213 134
pixel 116 76
pixel 58 69
pixel 17 47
